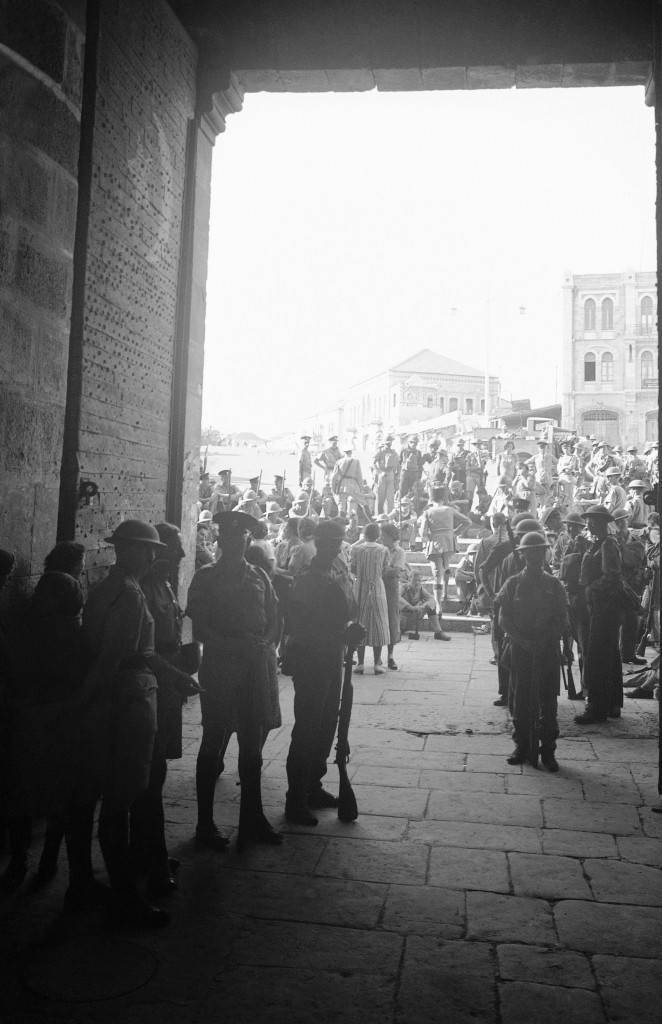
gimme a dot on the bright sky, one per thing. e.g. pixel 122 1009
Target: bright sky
pixel 350 230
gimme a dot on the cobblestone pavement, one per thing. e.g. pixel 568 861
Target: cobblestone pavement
pixel 468 890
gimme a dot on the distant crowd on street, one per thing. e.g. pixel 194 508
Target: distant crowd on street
pixel 561 555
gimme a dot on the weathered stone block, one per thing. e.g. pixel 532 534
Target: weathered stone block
pixel 618 819
pixel 552 878
pixel 548 1004
pixel 447 981
pixel 43 279
pixel 544 966
pixel 608 928
pixel 571 843
pixel 403 803
pixel 455 868
pixel 421 910
pixel 485 807
pixel 616 882
pixel 32 113
pixel 630 988
pixel 373 861
pixel 475 836
pixel 316 947
pixel 37 31
pixel 495 918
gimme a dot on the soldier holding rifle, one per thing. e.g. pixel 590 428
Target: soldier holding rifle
pixel 321 606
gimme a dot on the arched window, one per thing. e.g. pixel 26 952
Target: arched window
pixel 646 315
pixel 647 368
pixel 607 367
pixel 589 315
pixel 430 401
pixel 469 405
pixel 452 405
pixel 589 366
pixel 607 317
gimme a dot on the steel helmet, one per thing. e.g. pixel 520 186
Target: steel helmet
pixel 135 531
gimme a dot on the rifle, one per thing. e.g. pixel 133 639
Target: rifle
pixel 569 683
pixel 347 806
pixel 640 650
pixel 204 461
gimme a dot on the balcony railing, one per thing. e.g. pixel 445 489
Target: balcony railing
pixel 649 382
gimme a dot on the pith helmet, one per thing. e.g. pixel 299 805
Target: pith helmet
pixel 204 517
pixel 613 471
pixel 134 531
pixel 531 541
pixel 637 485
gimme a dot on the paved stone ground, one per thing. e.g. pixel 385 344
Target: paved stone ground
pixel 467 891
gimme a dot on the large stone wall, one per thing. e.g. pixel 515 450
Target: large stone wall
pixel 145 100
pixel 41 46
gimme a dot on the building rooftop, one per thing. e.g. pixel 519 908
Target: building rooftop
pixel 427 361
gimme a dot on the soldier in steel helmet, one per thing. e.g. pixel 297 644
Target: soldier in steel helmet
pixel 233 607
pixel 533 613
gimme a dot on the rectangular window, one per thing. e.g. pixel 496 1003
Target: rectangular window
pixel 452 405
pixel 430 401
pixel 589 369
pixel 469 403
pixel 395 399
pixel 482 405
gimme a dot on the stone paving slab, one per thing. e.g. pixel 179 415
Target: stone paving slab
pixel 618 819
pixel 246 995
pixel 544 966
pixel 491 808
pixel 421 910
pixel 640 851
pixel 396 800
pixel 316 947
pixel 498 918
pixel 608 928
pixel 374 861
pixel 545 1004
pixel 630 988
pixel 616 882
pixel 543 784
pixel 574 843
pixel 475 836
pixel 462 782
pixel 446 981
pixel 547 876
pixel 346 902
pixel 371 775
pixel 485 869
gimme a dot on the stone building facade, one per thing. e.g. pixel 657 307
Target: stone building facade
pixel 610 377
pixel 423 387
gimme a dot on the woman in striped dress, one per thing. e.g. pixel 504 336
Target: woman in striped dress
pixel 369 559
pixel 394 574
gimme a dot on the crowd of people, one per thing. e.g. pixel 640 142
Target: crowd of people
pixel 92 689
